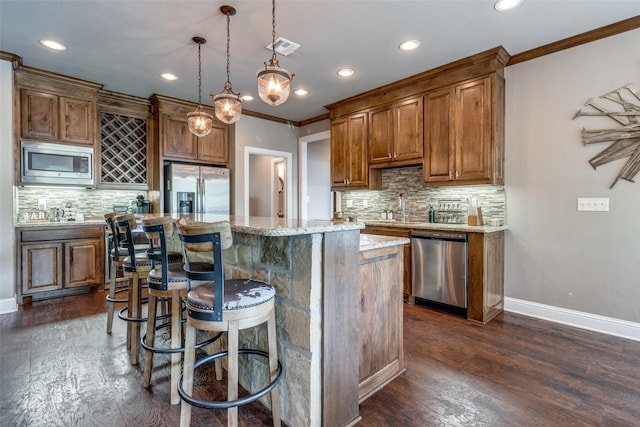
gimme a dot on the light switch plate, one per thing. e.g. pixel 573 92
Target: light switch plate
pixel 593 204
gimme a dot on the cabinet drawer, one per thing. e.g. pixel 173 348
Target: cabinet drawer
pixel 40 234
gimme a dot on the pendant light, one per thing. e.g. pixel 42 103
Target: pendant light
pixel 199 121
pixel 274 83
pixel 228 104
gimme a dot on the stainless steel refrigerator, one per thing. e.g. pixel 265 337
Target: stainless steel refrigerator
pixel 196 189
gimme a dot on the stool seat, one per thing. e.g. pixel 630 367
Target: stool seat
pixel 175 277
pixel 238 294
pixel 123 251
pixel 142 260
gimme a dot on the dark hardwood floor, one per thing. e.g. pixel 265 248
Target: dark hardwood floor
pixel 58 367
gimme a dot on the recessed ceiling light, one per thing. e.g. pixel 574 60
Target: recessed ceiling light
pixel 247 98
pixel 169 76
pixel 52 44
pixel 301 92
pixel 409 45
pixel 502 5
pixel 346 72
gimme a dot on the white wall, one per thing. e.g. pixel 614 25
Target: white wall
pixel 584 261
pixel 255 132
pixel 319 179
pixel 7 284
pixel 260 185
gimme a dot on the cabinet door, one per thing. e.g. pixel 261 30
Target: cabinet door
pixel 357 136
pixel 439 147
pixel 41 267
pixel 82 263
pixel 407 129
pixel 473 131
pixel 214 148
pixel 177 141
pixel 77 120
pixel 339 153
pixel 380 135
pixel 39 115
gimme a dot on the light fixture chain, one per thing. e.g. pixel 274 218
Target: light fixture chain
pixel 273 31
pixel 199 76
pixel 228 52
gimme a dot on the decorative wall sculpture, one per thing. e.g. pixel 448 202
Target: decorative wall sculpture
pixel 625 140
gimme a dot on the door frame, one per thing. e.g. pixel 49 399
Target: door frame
pixel 288 160
pixel 302 168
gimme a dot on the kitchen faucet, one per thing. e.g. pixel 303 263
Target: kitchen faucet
pixel 402 203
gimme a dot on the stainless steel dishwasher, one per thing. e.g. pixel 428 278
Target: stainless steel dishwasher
pixel 439 269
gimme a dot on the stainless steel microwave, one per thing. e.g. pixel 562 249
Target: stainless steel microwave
pixel 47 163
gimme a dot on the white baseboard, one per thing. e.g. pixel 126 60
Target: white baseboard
pixel 8 305
pixel 579 319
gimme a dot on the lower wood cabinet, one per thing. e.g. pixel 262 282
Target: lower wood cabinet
pixel 58 260
pixel 381 356
pixel 407 288
pixel 485 283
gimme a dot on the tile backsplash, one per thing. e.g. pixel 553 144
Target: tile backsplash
pixel 409 182
pixel 89 202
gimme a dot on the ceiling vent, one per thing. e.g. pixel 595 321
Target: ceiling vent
pixel 283 46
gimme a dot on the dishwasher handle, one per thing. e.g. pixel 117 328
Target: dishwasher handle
pixel 439 235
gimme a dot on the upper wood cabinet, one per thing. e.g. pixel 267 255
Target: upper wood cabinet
pixel 349 153
pixel 56 108
pixel 464 133
pixel 124 157
pixel 395 134
pixel 175 140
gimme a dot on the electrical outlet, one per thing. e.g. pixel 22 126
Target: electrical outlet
pixel 365 203
pixel 593 204
pixel 349 203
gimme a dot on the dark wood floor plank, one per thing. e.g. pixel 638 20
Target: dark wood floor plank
pixel 58 367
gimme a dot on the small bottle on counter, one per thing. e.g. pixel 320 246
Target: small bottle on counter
pixel 432 214
pixel 384 214
pixel 390 214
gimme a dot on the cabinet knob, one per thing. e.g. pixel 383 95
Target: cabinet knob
pixel 449 174
pixel 457 174
pixel 389 155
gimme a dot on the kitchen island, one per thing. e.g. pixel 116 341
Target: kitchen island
pixel 328 289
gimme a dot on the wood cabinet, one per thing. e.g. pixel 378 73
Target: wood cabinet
pixel 380 318
pixel 175 140
pixel 349 154
pixel 395 134
pixel 124 156
pixel 485 282
pixel 58 260
pixel 407 288
pixel 56 108
pixel 464 133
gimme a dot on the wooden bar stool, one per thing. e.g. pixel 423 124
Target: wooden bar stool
pixel 116 255
pixel 136 266
pixel 167 280
pixel 219 306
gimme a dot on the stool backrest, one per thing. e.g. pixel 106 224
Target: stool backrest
pixel 157 230
pixel 213 238
pixel 114 231
pixel 124 224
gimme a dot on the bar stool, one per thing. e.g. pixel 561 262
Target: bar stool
pixel 167 280
pixel 116 254
pixel 136 266
pixel 219 306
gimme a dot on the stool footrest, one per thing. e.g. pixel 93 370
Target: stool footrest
pixel 226 404
pixel 124 317
pixel 164 350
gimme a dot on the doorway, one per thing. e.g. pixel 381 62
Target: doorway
pixel 267 183
pixel 316 197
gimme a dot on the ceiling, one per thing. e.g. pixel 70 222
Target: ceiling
pixel 126 44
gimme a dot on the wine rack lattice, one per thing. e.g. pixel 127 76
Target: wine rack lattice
pixel 124 149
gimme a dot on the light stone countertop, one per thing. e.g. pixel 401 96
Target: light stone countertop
pixel 371 241
pixel 465 228
pixel 263 226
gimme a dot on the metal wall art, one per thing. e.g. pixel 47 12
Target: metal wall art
pixel 625 140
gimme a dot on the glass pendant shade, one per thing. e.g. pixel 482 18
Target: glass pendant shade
pixel 228 106
pixel 200 123
pixel 274 83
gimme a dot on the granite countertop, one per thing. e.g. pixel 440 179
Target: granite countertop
pixel 371 241
pixel 263 226
pixel 465 228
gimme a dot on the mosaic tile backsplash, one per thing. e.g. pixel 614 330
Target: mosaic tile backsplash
pixel 450 203
pixel 86 201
